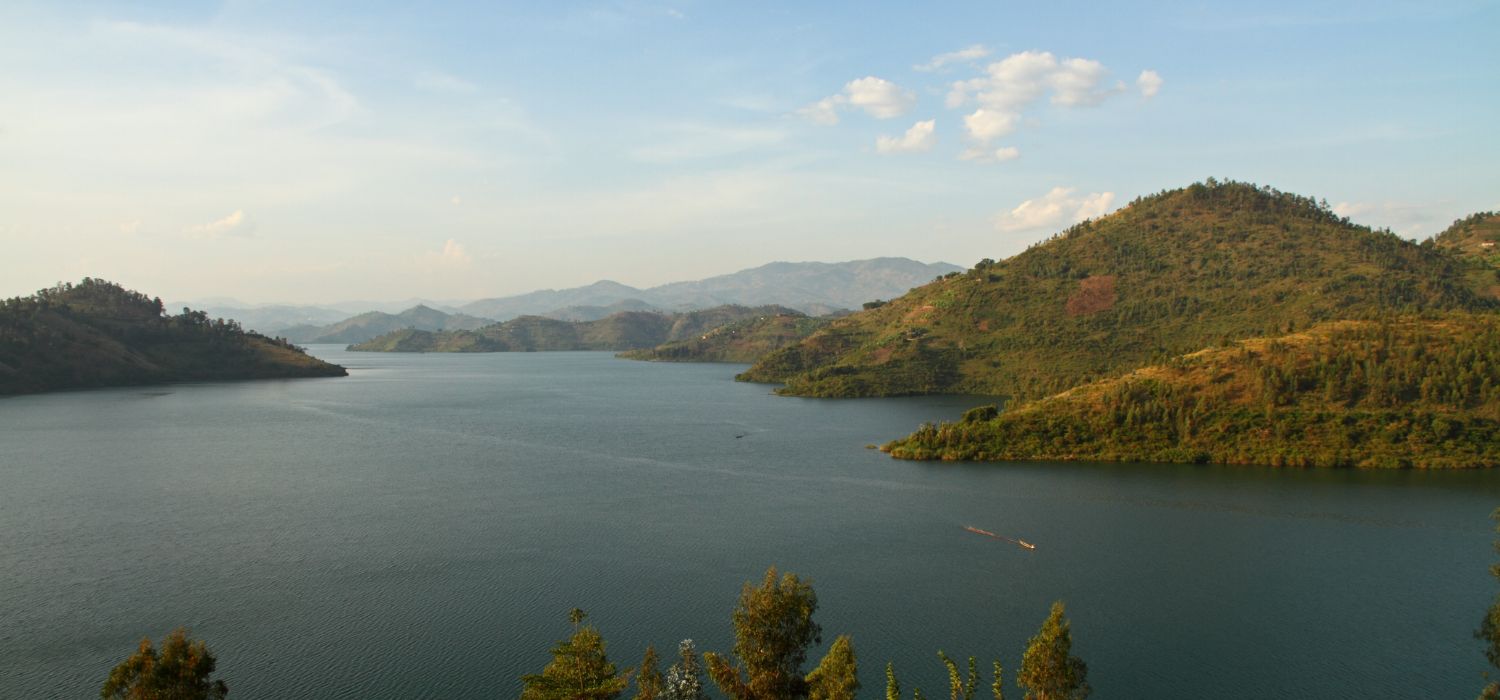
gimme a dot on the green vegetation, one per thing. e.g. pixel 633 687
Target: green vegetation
pixel 365 326
pixel 579 670
pixel 1408 392
pixel 1475 241
pixel 627 330
pixel 181 670
pixel 742 341
pixel 97 333
pixel 1169 274
pixel 773 627
pixel 1049 671
pixel 837 675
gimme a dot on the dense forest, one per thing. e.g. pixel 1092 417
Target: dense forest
pixel 626 330
pixel 1401 392
pixel 1166 275
pixel 97 333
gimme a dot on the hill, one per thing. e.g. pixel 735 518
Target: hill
pixel 373 323
pixel 1475 240
pixel 1168 274
pixel 626 330
pixel 811 287
pixel 96 334
pixel 1409 392
pixel 742 341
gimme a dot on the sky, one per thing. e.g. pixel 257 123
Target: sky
pixel 315 152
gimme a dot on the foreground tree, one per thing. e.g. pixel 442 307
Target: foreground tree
pixel 579 669
pixel 837 675
pixel 1049 671
pixel 1489 628
pixel 648 681
pixel 685 678
pixel 773 627
pixel 179 671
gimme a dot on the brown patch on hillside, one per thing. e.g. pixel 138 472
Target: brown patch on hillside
pixel 881 356
pixel 1094 294
pixel 920 314
pixel 984 325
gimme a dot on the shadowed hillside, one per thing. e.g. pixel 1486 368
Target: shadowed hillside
pixel 96 334
pixel 742 341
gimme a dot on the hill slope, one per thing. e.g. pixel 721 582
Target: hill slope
pixel 97 334
pixel 1475 240
pixel 373 323
pixel 1405 393
pixel 1168 274
pixel 627 330
pixel 742 341
pixel 811 287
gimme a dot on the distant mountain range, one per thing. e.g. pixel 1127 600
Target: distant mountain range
pixel 810 287
pixel 625 330
pixel 814 288
pixel 368 325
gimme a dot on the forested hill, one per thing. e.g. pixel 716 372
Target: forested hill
pixel 96 334
pixel 627 330
pixel 368 325
pixel 1409 392
pixel 742 341
pixel 1166 275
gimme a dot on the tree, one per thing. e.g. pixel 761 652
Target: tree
pixel 998 687
pixel 648 681
pixel 1049 671
pixel 1489 627
pixel 579 669
pixel 837 675
pixel 180 671
pixel 959 687
pixel 685 678
pixel 773 627
pixel 892 684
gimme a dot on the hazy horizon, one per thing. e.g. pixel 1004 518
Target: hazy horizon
pixel 276 152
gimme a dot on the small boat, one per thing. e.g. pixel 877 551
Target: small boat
pixel 1019 543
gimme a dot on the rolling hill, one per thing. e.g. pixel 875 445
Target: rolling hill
pixel 742 341
pixel 97 334
pixel 374 323
pixel 1404 392
pixel 1166 275
pixel 626 330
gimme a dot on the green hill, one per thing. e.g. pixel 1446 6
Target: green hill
pixel 742 341
pixel 96 334
pixel 365 326
pixel 1475 240
pixel 1410 392
pixel 627 330
pixel 1168 274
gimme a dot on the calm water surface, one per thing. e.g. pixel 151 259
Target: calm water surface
pixel 421 528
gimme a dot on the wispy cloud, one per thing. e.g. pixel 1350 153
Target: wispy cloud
pixel 972 53
pixel 234 223
pixel 1149 82
pixel 436 81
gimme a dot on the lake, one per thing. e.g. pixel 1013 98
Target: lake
pixel 421 528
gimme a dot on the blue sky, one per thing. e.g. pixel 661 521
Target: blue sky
pixel 322 151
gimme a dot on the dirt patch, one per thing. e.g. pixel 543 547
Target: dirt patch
pixel 1094 294
pixel 919 314
pixel 880 356
pixel 984 325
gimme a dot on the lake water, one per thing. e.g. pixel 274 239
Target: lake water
pixel 420 529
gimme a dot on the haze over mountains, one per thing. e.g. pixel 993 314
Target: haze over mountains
pixel 815 288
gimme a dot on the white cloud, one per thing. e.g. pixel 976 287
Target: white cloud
pixel 1018 81
pixel 1058 208
pixel 971 53
pixel 878 97
pixel 1007 153
pixel 980 154
pixel 452 255
pixel 1410 219
pixel 233 223
pixel 918 139
pixel 1149 83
